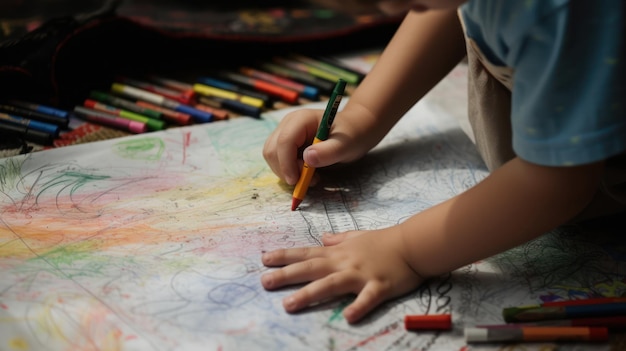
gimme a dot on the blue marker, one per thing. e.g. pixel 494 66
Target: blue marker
pixel 41 108
pixel 160 100
pixel 36 125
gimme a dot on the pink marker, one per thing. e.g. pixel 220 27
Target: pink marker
pixel 110 120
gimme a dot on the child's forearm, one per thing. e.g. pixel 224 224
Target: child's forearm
pixel 516 203
pixel 399 78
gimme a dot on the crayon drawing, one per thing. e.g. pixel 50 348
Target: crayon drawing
pixel 153 242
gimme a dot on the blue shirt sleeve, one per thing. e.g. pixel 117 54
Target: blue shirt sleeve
pixel 568 88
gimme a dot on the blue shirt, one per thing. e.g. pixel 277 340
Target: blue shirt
pixel 568 59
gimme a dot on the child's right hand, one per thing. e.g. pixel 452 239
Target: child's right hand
pixel 288 145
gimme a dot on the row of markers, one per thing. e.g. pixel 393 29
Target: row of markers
pixel 154 102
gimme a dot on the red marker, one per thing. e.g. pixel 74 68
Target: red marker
pixel 287 95
pixel 179 118
pixel 428 322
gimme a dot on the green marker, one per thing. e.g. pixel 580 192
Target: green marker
pixel 151 123
pixel 124 104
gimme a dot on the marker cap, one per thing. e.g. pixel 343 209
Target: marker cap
pixel 137 127
pixel 428 322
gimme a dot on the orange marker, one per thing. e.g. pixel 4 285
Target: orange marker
pixel 322 134
pixel 428 322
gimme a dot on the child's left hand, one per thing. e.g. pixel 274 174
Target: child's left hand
pixel 371 264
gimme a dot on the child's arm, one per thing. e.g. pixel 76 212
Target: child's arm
pixel 516 203
pixel 422 52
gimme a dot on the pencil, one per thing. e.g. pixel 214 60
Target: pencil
pixel 322 134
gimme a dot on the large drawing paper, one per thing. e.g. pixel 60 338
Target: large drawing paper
pixel 153 242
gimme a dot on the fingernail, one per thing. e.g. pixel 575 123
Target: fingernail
pixel 289 303
pixel 266 280
pixel 311 157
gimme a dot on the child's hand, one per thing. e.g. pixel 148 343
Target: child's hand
pixel 371 264
pixel 350 138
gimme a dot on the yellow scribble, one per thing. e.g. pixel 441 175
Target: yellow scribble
pixel 18 344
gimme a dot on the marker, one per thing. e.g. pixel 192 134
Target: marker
pixel 124 104
pixel 232 105
pixel 225 94
pixel 324 86
pixel 303 67
pixel 41 108
pixel 535 334
pixel 110 120
pixel 277 91
pixel 540 313
pixel 308 92
pixel 173 84
pixel 347 76
pixel 234 88
pixel 322 134
pixel 32 135
pixel 339 64
pixel 35 115
pixel 36 125
pixel 428 322
pixel 611 322
pixel 183 98
pixel 159 100
pixel 152 124
pixel 169 115
pixel 217 113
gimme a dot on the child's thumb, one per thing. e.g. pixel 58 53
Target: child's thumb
pixel 324 153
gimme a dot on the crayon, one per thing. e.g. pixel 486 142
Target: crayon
pixel 169 115
pixel 428 322
pixel 322 134
pixel 225 94
pixel 324 86
pixel 345 75
pixel 62 122
pixel 32 135
pixel 234 88
pixel 232 105
pixel 530 314
pixel 308 92
pixel 217 112
pixel 535 334
pixel 277 91
pixel 151 123
pixel 183 98
pixel 611 322
pixel 36 125
pixel 124 104
pixel 159 100
pixel 110 120
pixel 41 108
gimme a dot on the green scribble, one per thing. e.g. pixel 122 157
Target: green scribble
pixel 332 345
pixel 10 172
pixel 147 149
pixel 75 260
pixel 72 178
pixel 337 311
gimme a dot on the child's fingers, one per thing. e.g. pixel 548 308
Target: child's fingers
pixel 282 257
pixel 296 273
pixel 370 296
pixel 329 239
pixel 332 286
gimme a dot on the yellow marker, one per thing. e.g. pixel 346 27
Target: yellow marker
pixel 225 94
